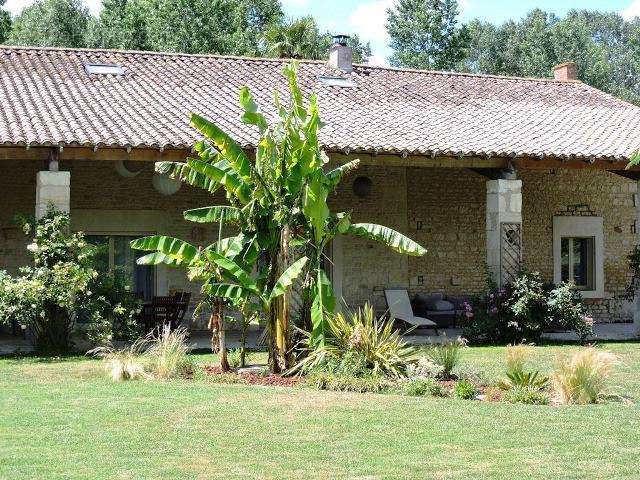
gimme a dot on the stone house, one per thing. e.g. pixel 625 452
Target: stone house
pixel 487 172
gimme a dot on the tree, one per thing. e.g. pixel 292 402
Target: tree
pixel 5 22
pixel 425 34
pixel 294 39
pixel 301 38
pixel 605 48
pixel 51 23
pixel 230 27
pixel 122 24
pixel 279 202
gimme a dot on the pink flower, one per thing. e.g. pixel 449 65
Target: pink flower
pixel 469 314
pixel 494 310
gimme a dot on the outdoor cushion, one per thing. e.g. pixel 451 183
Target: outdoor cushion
pixel 428 301
pixel 440 306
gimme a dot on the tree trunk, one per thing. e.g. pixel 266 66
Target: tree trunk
pixel 280 357
pixel 218 341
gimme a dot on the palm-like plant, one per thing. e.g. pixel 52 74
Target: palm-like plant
pixel 277 200
pixel 297 39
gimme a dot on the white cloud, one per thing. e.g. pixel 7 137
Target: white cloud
pixel 369 21
pixel 632 10
pixel 16 6
pixel 295 3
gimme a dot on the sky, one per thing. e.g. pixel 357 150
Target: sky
pixel 367 18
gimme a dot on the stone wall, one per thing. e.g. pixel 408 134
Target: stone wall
pixel 443 209
pixel 17 197
pixel 582 193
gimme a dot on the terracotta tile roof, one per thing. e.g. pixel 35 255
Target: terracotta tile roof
pixel 46 97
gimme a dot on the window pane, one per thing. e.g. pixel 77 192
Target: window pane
pixel 140 278
pixel 583 253
pixel 565 259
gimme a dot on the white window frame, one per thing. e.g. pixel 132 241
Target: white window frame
pixel 580 227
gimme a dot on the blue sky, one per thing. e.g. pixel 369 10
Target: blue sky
pixel 368 17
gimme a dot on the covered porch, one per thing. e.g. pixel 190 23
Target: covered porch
pixel 478 217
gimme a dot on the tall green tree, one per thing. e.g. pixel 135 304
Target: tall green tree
pixel 51 23
pixel 5 22
pixel 121 24
pixel 301 38
pixel 425 34
pixel 605 47
pixel 204 26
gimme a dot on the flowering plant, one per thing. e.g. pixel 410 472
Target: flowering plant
pixel 48 296
pixel 524 309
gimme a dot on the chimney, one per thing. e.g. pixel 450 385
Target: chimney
pixel 340 54
pixel 566 72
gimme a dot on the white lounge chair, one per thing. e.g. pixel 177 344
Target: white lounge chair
pixel 400 309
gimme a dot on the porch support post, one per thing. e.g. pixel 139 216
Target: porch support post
pixel 504 206
pixel 53 187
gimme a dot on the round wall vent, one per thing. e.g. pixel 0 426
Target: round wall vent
pixel 362 187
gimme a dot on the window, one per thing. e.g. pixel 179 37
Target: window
pixel 337 82
pixel 578 253
pixel 103 69
pixel 578 258
pixel 115 256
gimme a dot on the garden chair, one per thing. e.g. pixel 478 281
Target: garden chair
pixel 399 307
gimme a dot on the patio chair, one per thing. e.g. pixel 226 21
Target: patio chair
pixel 399 307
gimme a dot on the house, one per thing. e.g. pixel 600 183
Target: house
pixel 487 172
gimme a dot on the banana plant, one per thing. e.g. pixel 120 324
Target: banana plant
pixel 277 198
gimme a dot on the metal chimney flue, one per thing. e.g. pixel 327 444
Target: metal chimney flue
pixel 341 54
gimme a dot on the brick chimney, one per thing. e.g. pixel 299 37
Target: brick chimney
pixel 340 54
pixel 566 72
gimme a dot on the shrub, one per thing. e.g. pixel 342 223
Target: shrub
pixel 421 387
pixel 582 377
pixel 168 353
pixel 424 368
pixel 523 310
pixel 235 358
pixel 46 296
pixel 446 355
pixel 63 287
pixel 465 389
pixel 527 395
pixel 565 308
pixel 343 383
pixel 361 343
pixel 124 364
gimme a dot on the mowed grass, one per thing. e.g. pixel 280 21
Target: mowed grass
pixel 65 419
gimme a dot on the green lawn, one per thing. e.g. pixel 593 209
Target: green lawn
pixel 63 419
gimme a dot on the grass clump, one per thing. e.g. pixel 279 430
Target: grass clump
pixel 526 395
pixel 446 355
pixel 582 377
pixel 465 390
pixel 160 355
pixel 517 359
pixel 123 364
pixel 168 353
